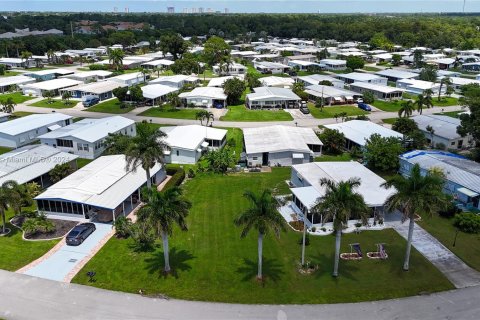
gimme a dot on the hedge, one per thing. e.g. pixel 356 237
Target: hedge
pixel 178 175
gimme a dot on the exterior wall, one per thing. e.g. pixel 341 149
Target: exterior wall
pixel 283 159
pixel 449 143
pixel 183 156
pixel 25 138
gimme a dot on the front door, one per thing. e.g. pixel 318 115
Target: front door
pixel 265 159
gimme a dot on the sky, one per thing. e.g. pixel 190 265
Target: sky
pixel 245 6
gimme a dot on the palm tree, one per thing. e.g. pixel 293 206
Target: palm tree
pixel 145 149
pixel 162 211
pixel 420 103
pixel 8 105
pixel 406 109
pixel 446 81
pixel 4 199
pixel 339 203
pixel 431 131
pixel 11 195
pixel 204 115
pixel 66 96
pixel 50 55
pixel 264 217
pixel 115 57
pixel 49 95
pixel 415 194
pixel 25 56
pixel 145 72
pixel 428 93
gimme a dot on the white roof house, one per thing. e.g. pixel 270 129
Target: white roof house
pixel 233 69
pixel 204 96
pixel 102 89
pixel 92 75
pixel 458 82
pixel 332 64
pixel 219 81
pixel 306 178
pixel 157 91
pixel 104 184
pixel 187 143
pixel 129 79
pixel 31 162
pixel 444 131
pixel 358 131
pixel 332 95
pixel 362 77
pixel 49 72
pixel 317 78
pixel 25 130
pixel 54 85
pixel 175 81
pixel 158 63
pixel 418 86
pixel 6 82
pixel 396 74
pixel 281 82
pixel 271 97
pixel 270 67
pixel 285 145
pixel 380 91
pixel 85 137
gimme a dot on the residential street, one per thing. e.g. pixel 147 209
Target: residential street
pixel 24 296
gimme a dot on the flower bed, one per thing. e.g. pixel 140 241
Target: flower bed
pixel 350 256
pixel 62 227
pixel 376 255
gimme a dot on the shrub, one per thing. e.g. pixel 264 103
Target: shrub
pixel 143 236
pixel 98 67
pixel 191 173
pixel 450 211
pixel 178 175
pixel 122 227
pixel 467 222
pixel 368 97
pixel 314 229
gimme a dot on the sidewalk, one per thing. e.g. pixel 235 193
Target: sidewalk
pixel 449 264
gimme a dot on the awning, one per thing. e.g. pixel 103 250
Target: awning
pixel 348 97
pixel 204 144
pixel 468 192
pixel 297 156
pixel 54 127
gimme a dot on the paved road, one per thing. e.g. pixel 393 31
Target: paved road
pixel 25 297
pixel 449 264
pixel 311 122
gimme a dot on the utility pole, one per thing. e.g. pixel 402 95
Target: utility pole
pixel 71 28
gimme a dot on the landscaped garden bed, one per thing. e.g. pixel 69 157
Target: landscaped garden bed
pixel 59 228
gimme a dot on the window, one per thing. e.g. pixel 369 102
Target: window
pixel 452 143
pixel 254 158
pixel 178 153
pixel 65 143
pixel 82 146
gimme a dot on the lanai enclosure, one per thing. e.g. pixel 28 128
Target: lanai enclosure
pixel 307 190
pixel 100 191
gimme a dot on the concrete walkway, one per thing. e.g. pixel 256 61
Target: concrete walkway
pixel 449 264
pixel 25 297
pixel 59 265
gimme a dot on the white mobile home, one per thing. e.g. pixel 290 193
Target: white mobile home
pixel 272 97
pixel 380 91
pixel 129 79
pixel 331 95
pixel 205 97
pixel 22 131
pixel 39 88
pixel 315 79
pixel 362 77
pixel 332 64
pixel 233 69
pixel 177 81
pixel 12 83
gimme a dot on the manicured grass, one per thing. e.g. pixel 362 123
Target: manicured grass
pixel 81 162
pixel 467 246
pixel 389 120
pixel 110 106
pixel 17 97
pixel 211 262
pixel 19 114
pixel 340 157
pixel 329 112
pixel 371 69
pixel 237 135
pixel 445 102
pixel 78 119
pixel 389 106
pixel 453 114
pixel 169 112
pixel 54 104
pixel 241 113
pixel 9 73
pixel 16 252
pixel 5 150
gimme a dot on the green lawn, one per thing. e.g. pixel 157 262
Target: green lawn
pixel 9 73
pixel 110 106
pixel 212 263
pixel 389 106
pixel 389 120
pixel 329 112
pixel 17 97
pixel 19 114
pixel 54 104
pixel 81 162
pixel 467 246
pixel 453 114
pixel 340 157
pixel 169 112
pixel 5 150
pixel 371 69
pixel 16 252
pixel 445 102
pixel 241 113
pixel 237 135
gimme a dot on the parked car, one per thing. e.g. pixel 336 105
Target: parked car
pixel 89 101
pixel 364 106
pixel 304 110
pixel 79 233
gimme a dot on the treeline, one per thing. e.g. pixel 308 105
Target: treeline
pixel 434 31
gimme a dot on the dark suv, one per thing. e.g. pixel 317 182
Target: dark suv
pixel 79 233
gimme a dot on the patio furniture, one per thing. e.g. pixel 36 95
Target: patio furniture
pixel 357 255
pixel 381 253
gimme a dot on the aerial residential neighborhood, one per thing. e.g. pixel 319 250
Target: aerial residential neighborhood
pixel 279 165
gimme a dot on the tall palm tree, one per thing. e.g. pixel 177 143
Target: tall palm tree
pixel 262 216
pixel 420 103
pixel 50 55
pixel 145 72
pixel 162 211
pixel 432 132
pixel 115 57
pixel 428 93
pixel 415 194
pixel 340 203
pixel 8 105
pixel 406 109
pixel 445 81
pixel 25 56
pixel 204 115
pixel 11 195
pixel 145 149
pixel 66 96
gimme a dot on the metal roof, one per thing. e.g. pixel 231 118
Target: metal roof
pixel 279 138
pixel 50 71
pixel 370 188
pixel 317 78
pixel 54 84
pixel 272 93
pixel 31 122
pixel 219 81
pixel 174 79
pixel 205 92
pixel 90 130
pixel 190 137
pixel 273 81
pixel 357 76
pixel 457 169
pixel 444 126
pixel 30 162
pixel 318 90
pixel 395 73
pixel 15 80
pixel 375 87
pixel 359 131
pixel 97 87
pixel 104 183
pixel 153 91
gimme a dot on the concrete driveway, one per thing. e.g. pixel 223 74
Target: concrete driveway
pixel 297 114
pixel 59 264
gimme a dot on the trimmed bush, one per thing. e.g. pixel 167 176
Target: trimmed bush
pixel 467 222
pixel 178 175
pixel 450 212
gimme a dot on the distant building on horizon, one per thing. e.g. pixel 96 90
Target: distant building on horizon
pixel 170 9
